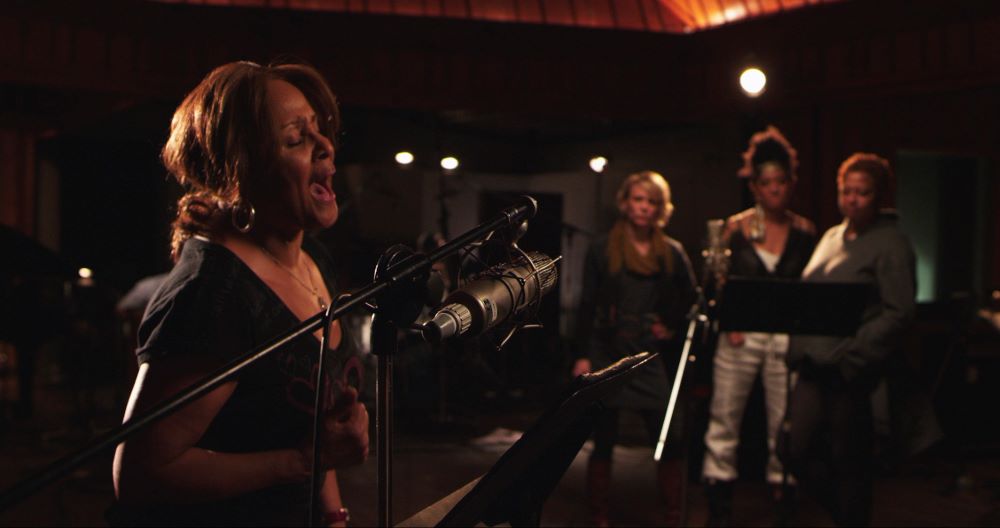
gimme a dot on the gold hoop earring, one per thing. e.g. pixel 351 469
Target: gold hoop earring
pixel 243 209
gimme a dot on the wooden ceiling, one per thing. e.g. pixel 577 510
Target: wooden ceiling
pixel 669 16
pixel 66 62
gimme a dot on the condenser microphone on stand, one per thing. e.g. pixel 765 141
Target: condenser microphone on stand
pixel 717 256
pixel 499 293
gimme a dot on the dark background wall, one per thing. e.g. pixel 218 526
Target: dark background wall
pixel 90 87
pixel 87 90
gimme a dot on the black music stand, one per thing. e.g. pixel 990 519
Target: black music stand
pixel 792 307
pixel 515 489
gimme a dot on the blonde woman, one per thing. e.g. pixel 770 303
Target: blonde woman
pixel 638 286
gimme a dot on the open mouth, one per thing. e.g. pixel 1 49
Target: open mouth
pixel 322 191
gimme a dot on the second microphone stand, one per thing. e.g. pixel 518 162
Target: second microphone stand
pixel 716 254
pixel 398 307
pixel 695 318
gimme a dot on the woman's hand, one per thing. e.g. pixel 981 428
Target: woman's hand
pixel 736 339
pixel 660 331
pixel 345 433
pixel 582 366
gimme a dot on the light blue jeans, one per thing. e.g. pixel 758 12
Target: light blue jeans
pixel 735 369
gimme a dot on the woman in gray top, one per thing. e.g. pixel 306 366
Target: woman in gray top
pixel 830 409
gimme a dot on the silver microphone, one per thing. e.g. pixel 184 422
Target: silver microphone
pixel 716 252
pixel 496 295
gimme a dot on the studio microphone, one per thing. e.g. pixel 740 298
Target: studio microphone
pixel 496 295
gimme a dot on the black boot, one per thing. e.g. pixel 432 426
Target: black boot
pixel 784 504
pixel 720 503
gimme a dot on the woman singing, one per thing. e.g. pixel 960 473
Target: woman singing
pixel 253 147
pixel 766 241
pixel 830 410
pixel 637 287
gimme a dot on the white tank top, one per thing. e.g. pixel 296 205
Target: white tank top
pixel 769 259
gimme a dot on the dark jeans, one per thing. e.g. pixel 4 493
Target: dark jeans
pixel 606 432
pixel 829 447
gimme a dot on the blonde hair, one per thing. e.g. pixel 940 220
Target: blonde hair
pixel 654 183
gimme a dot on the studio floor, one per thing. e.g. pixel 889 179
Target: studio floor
pixel 431 461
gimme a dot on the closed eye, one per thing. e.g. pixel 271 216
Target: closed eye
pixel 302 128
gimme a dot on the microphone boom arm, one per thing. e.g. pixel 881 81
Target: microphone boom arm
pixel 404 271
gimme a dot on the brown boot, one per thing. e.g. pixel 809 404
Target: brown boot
pixel 670 476
pixel 599 490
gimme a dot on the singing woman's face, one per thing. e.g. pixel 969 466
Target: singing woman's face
pixel 856 197
pixel 772 188
pixel 304 195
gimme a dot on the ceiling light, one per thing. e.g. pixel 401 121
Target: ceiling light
pixel 753 80
pixel 598 163
pixel 404 158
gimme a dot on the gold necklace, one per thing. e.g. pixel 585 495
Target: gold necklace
pixel 311 288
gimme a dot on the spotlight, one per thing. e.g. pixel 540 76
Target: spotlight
pixel 753 80
pixel 449 163
pixel 86 279
pixel 598 163
pixel 404 158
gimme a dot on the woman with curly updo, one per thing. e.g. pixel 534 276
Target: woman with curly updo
pixel 766 241
pixel 253 147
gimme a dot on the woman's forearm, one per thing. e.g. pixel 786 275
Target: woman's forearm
pixel 330 496
pixel 201 475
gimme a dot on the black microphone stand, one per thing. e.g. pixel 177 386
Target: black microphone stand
pixel 398 271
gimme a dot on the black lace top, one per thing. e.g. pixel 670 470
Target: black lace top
pixel 744 261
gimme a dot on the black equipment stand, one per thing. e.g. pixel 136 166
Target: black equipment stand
pixel 791 307
pixel 515 489
pixel 400 273
pixel 695 318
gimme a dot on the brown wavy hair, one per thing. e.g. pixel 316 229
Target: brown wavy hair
pixel 769 146
pixel 221 147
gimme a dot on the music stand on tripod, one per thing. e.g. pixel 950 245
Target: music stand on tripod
pixel 515 489
pixel 791 307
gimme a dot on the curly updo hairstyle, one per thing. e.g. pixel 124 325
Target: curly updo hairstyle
pixel 769 146
pixel 222 149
